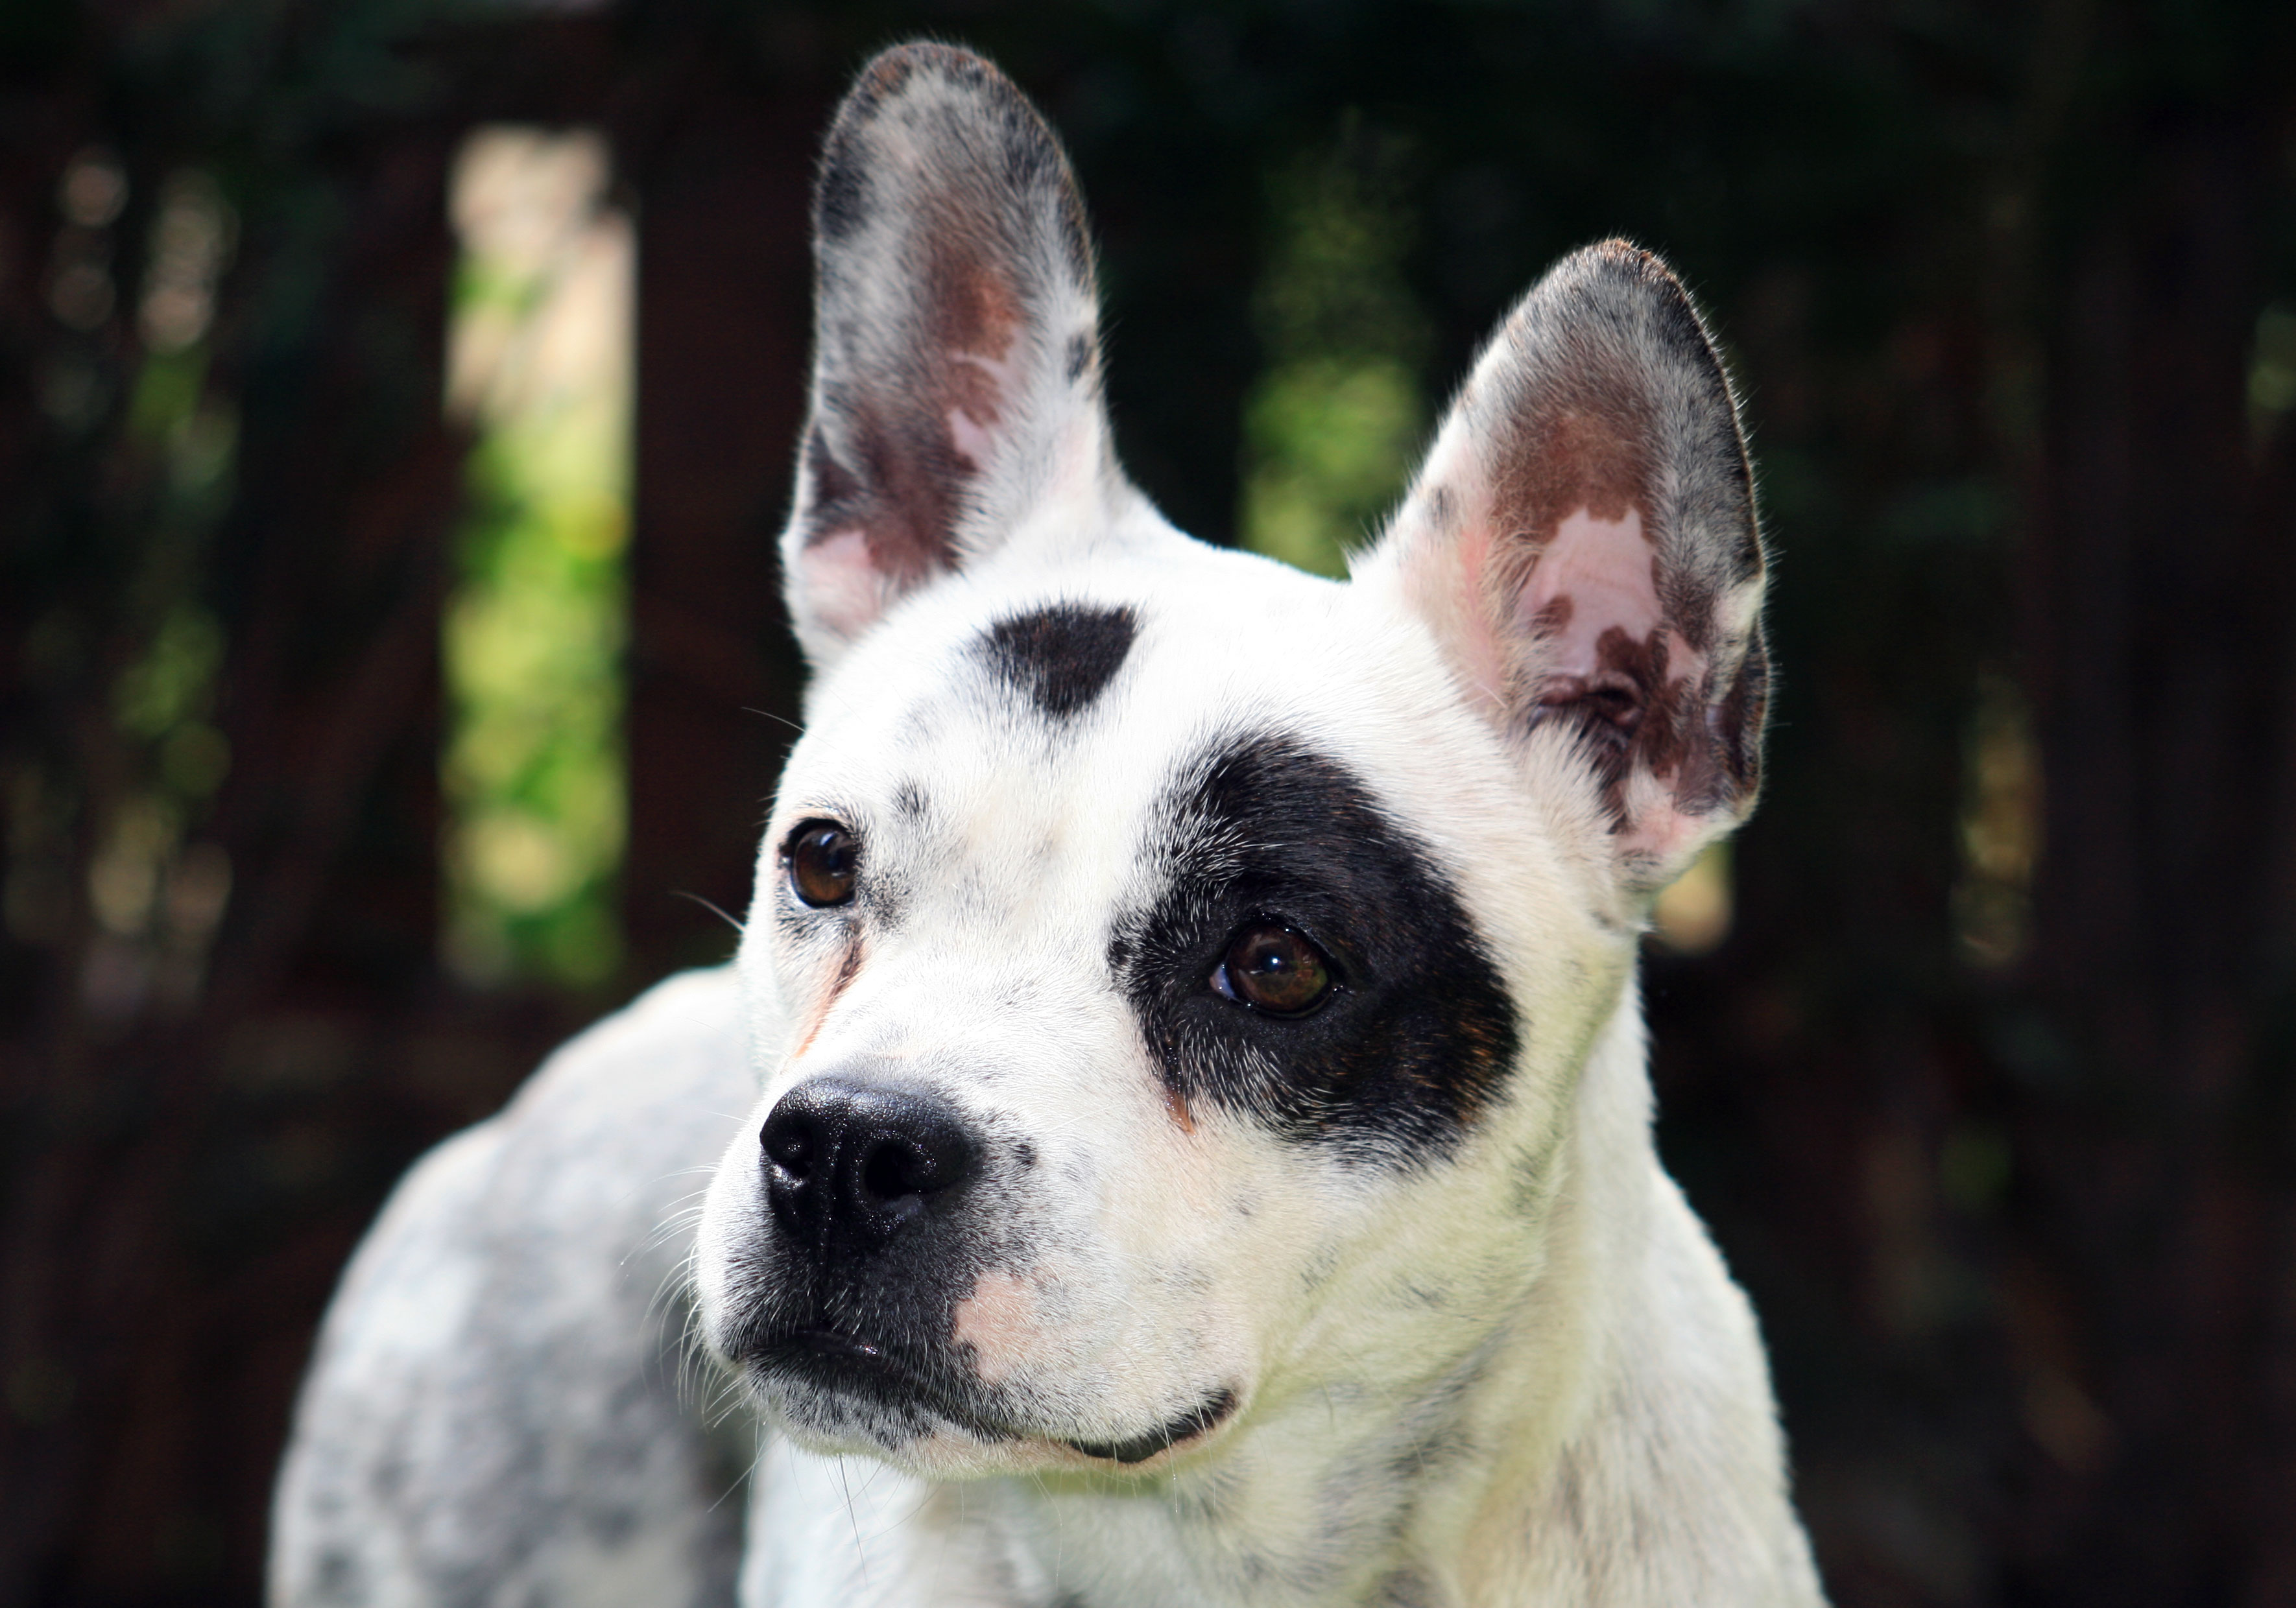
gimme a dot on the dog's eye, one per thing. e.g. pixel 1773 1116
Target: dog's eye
pixel 823 858
pixel 1273 969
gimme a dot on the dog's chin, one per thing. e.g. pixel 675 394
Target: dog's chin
pixel 839 1396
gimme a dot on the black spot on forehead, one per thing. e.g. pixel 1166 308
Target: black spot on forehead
pixel 1419 1032
pixel 1061 657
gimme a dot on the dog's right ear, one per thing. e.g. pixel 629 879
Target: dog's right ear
pixel 1582 543
pixel 956 364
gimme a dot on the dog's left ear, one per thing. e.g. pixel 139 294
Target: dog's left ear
pixel 1582 541
pixel 956 361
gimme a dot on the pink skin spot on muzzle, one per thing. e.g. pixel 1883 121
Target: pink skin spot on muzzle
pixel 998 1320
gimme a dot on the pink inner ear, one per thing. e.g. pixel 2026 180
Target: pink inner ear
pixel 1592 598
pixel 1595 575
pixel 843 585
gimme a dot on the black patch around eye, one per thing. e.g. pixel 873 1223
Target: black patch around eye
pixel 1061 657
pixel 1419 1032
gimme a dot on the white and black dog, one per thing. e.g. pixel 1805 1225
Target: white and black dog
pixel 1198 1147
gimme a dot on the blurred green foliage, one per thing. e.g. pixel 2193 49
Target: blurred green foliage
pixel 533 771
pixel 533 647
pixel 1332 422
pixel 539 329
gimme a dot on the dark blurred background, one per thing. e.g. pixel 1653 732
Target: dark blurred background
pixel 1978 1053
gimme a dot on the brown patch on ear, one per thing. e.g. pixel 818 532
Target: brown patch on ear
pixel 900 496
pixel 1662 732
pixel 977 315
pixel 1632 711
pixel 976 310
pixel 834 487
pixel 906 492
pixel 1582 441
pixel 1581 438
pixel 1707 749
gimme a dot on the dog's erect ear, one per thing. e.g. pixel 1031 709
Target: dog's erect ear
pixel 957 363
pixel 1582 541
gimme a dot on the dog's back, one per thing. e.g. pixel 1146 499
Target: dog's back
pixel 495 1414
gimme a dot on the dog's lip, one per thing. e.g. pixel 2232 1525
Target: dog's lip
pixel 843 1350
pixel 1198 1420
pixel 849 1347
pixel 840 1347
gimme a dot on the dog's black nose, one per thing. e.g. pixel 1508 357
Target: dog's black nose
pixel 850 1161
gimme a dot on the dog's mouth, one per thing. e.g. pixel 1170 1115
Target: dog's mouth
pixel 1199 1419
pixel 887 1376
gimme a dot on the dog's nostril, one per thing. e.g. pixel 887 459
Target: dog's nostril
pixel 793 1156
pixel 895 1170
pixel 790 1143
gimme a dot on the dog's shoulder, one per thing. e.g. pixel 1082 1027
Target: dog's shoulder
pixel 495 1404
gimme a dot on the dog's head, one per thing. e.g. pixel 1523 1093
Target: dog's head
pixel 1171 972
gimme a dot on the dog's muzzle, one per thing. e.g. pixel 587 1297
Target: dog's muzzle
pixel 876 1189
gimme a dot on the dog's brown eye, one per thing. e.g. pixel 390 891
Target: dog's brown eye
pixel 1272 968
pixel 822 860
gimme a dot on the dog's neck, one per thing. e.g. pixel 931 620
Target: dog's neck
pixel 1500 1479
